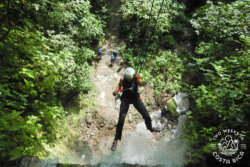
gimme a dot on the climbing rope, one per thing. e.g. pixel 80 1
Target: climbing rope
pixel 144 32
pixel 151 9
pixel 157 17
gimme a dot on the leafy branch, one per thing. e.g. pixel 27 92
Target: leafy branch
pixel 8 17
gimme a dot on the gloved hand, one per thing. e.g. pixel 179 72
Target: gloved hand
pixel 115 93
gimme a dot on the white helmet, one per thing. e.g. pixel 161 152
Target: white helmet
pixel 129 73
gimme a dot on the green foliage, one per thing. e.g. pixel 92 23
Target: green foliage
pixel 24 118
pixel 148 43
pixel 231 16
pixel 74 18
pixel 138 23
pixel 101 9
pixel 171 106
pixel 85 55
pixel 222 60
pixel 46 53
pixel 221 34
pixel 163 71
pixel 45 56
pixel 166 69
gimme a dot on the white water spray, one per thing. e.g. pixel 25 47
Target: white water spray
pixel 142 147
pixel 182 102
pixel 145 148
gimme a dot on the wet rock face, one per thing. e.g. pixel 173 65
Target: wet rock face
pixel 182 102
pixel 176 106
pixel 171 108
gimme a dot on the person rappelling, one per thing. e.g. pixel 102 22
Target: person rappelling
pixel 130 95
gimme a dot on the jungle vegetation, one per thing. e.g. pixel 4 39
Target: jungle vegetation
pixel 47 49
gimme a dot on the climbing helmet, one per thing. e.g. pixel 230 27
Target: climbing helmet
pixel 129 73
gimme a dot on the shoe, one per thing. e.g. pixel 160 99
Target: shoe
pixel 155 129
pixel 114 145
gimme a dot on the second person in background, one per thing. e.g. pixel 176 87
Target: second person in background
pixel 113 57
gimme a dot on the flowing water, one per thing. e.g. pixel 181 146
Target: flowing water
pixel 182 102
pixel 141 146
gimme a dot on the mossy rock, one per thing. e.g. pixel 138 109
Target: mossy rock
pixel 171 107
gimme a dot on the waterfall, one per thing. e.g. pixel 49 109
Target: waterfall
pixel 35 162
pixel 140 146
pixel 182 102
pixel 145 148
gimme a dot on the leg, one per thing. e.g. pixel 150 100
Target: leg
pixel 143 111
pixel 123 112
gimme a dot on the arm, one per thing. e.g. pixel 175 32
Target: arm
pixel 119 86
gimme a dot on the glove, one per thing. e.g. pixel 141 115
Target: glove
pixel 115 93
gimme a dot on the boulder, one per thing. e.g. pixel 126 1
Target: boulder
pixel 171 108
pixel 182 101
